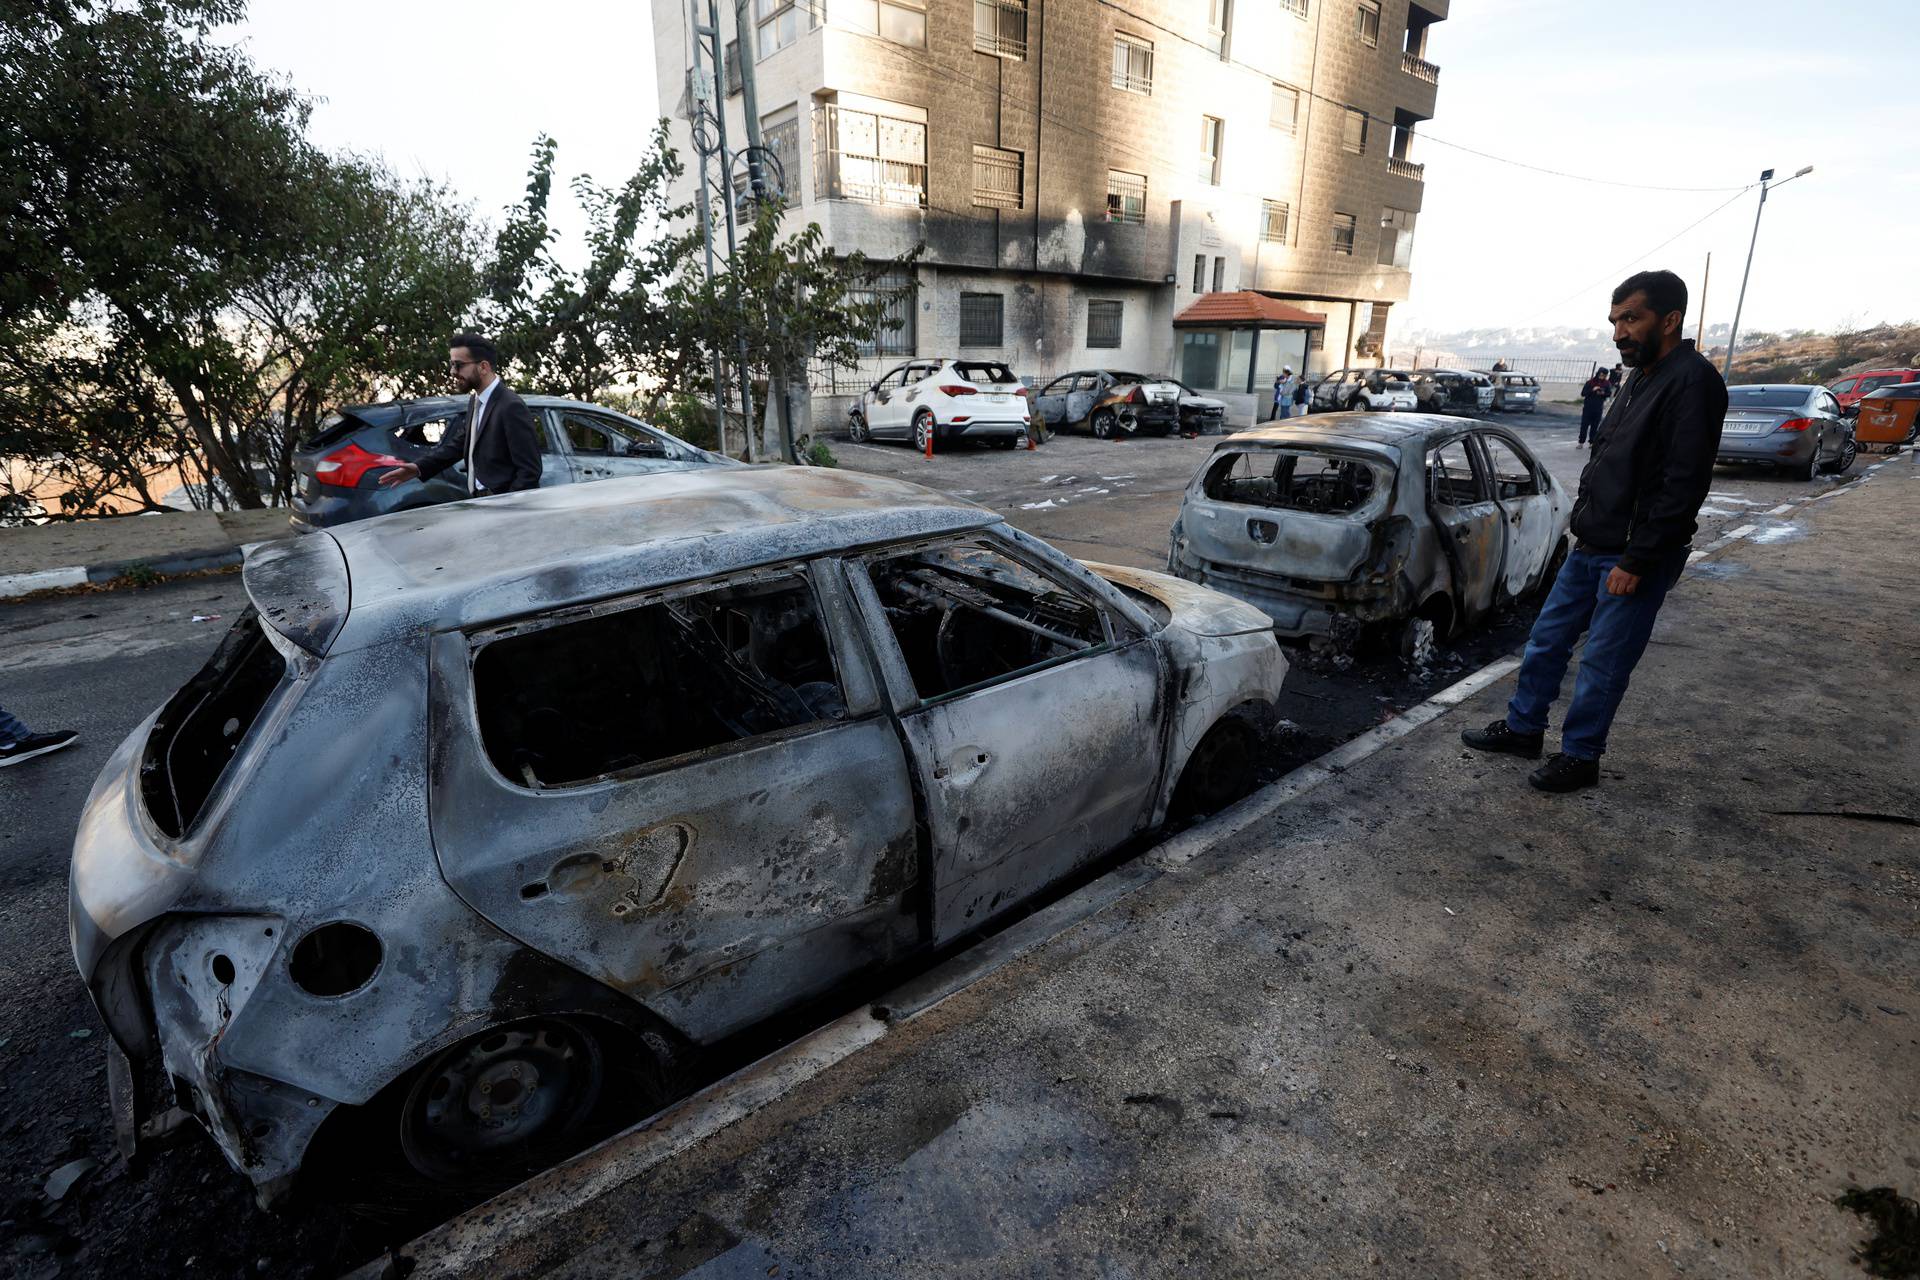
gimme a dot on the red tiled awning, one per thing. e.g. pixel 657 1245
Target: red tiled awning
pixel 1246 309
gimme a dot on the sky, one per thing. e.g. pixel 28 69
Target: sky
pixel 1670 93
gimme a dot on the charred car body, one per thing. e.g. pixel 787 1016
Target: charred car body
pixel 1452 391
pixel 1111 404
pixel 1418 524
pixel 477 799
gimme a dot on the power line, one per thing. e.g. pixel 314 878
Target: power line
pixel 1573 177
pixel 1637 258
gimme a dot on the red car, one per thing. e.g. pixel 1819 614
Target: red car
pixel 1850 390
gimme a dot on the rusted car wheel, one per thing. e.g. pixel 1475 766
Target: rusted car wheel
pixel 1219 771
pixel 1103 425
pixel 503 1103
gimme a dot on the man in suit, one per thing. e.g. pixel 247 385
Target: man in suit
pixel 496 439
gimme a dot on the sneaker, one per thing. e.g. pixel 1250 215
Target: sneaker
pixel 1499 737
pixel 1563 772
pixel 36 744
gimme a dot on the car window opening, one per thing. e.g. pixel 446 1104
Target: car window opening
pixel 200 729
pixel 1292 480
pixel 611 693
pixel 983 371
pixel 966 616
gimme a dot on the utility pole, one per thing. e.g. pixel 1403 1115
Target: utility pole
pixel 1733 337
pixel 1700 330
pixel 762 193
pixel 709 121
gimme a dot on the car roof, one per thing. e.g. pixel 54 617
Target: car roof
pixel 1777 386
pixel 484 560
pixel 393 412
pixel 1355 429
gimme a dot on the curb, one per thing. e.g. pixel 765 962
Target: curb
pixel 13 585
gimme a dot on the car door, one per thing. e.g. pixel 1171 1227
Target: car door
pixel 636 450
pixel 884 418
pixel 590 444
pixel 1030 709
pixel 1051 404
pixel 1469 523
pixel 1087 389
pixel 556 467
pixel 695 795
pixel 1528 534
pixel 1841 427
pixel 917 389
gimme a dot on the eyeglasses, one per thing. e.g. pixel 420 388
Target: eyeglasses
pixel 455 366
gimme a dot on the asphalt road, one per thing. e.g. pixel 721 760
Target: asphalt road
pixel 99 662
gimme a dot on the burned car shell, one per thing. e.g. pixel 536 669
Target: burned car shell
pixel 1398 552
pixel 1111 404
pixel 630 896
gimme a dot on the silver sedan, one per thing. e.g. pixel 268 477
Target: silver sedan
pixel 1788 425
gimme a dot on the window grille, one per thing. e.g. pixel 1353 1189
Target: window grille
pixel 1126 197
pixel 872 158
pixel 1133 64
pixel 897 288
pixel 1103 323
pixel 980 319
pixel 1283 112
pixel 1298 8
pixel 997 178
pixel 1212 133
pixel 1000 28
pixel 1367 23
pixel 1273 221
pixel 1343 224
pixel 1353 134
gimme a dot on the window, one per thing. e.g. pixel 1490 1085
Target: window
pixel 776 25
pixel 1353 133
pixel 1297 481
pixel 901 21
pixel 1219 22
pixel 1103 322
pixel 1298 8
pixel 997 178
pixel 1367 23
pixel 567 702
pixel 869 157
pixel 780 136
pixel 1000 28
pixel 1133 64
pixel 1396 238
pixel 1199 273
pixel 1273 221
pixel 1512 477
pixel 895 288
pixel 1453 476
pixel 966 616
pixel 1126 197
pixel 1212 133
pixel 1283 113
pixel 986 373
pixel 1219 274
pixel 734 83
pixel 585 435
pixel 981 320
pixel 1343 224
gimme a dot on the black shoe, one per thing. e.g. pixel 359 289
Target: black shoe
pixel 36 744
pixel 1563 772
pixel 1499 737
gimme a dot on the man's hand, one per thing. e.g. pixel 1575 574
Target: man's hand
pixel 407 471
pixel 1619 581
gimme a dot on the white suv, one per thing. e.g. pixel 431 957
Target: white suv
pixel 945 400
pixel 1370 389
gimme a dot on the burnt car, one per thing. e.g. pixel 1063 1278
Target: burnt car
pixel 1200 415
pixel 1416 526
pixel 1111 404
pixel 1452 391
pixel 479 806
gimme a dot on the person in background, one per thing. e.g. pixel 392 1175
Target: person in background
pixel 1593 400
pixel 17 742
pixel 496 440
pixel 1633 521
pixel 1283 393
pixel 1613 380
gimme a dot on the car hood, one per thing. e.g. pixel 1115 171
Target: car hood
pixel 1205 402
pixel 1200 610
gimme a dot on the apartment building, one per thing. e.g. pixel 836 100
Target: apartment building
pixel 1211 188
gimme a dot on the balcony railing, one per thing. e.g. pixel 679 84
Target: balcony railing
pixel 871 158
pixel 1406 169
pixel 1419 68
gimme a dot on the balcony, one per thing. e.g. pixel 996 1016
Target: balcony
pixel 1420 68
pixel 1406 169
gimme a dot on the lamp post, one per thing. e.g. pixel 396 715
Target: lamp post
pixel 1766 178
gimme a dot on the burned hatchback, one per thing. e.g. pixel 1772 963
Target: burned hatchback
pixel 1412 528
pixel 487 812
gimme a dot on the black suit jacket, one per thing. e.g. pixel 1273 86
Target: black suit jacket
pixel 507 455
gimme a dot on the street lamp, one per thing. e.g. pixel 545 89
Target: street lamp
pixel 1766 177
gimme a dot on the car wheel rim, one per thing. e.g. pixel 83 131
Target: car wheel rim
pixel 487 1101
pixel 1102 427
pixel 922 431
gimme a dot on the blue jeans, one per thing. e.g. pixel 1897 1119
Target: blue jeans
pixel 1283 409
pixel 1617 629
pixel 11 730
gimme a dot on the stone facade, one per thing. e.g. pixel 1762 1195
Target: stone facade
pixel 1057 110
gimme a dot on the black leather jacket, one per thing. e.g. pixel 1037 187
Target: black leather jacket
pixel 1652 462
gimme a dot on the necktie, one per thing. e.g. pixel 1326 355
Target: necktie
pixel 473 434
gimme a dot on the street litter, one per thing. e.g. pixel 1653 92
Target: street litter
pixel 205 617
pixel 67 1176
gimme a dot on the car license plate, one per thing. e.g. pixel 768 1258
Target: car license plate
pixel 996 399
pixel 1164 397
pixel 1746 428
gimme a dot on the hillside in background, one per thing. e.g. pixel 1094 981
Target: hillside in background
pixel 1823 357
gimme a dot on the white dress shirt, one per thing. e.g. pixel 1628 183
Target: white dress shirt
pixel 473 434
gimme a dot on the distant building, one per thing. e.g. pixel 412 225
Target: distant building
pixel 1084 172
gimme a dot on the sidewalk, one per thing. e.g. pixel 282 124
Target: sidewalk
pixel 1420 1021
pixel 69 553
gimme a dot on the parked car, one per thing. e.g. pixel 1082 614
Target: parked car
pixel 338 471
pixel 1415 527
pixel 1200 415
pixel 1513 392
pixel 1110 404
pixel 1359 389
pixel 1786 425
pixel 1889 417
pixel 1854 388
pixel 479 820
pixel 945 401
pixel 1452 391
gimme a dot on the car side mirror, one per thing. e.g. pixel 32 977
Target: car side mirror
pixel 646 449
